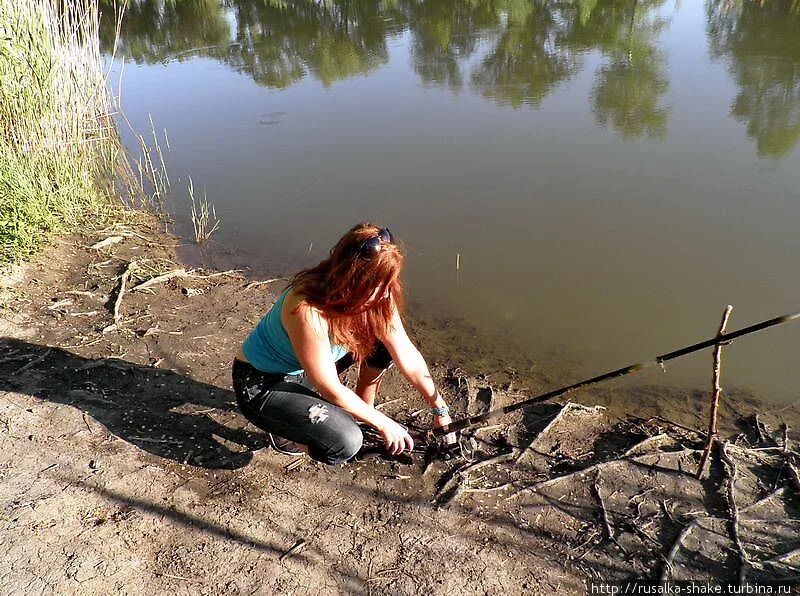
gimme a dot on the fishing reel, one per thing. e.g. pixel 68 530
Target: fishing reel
pixel 451 446
pixel 434 446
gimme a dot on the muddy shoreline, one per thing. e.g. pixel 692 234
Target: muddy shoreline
pixel 126 465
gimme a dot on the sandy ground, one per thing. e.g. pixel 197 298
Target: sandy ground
pixel 126 467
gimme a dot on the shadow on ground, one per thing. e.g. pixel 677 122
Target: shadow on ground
pixel 160 411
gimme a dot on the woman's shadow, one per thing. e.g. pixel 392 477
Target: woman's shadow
pixel 159 411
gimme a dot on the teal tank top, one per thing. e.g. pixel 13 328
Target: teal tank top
pixel 268 347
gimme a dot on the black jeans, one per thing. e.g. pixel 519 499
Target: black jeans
pixel 289 407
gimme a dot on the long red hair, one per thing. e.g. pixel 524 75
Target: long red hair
pixel 341 285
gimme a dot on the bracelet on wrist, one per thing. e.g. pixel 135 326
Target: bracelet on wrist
pixel 440 411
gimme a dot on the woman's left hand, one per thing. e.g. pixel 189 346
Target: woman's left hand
pixel 439 422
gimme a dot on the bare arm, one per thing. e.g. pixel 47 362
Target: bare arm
pixel 412 365
pixel 308 332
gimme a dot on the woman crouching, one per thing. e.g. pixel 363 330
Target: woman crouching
pixel 345 310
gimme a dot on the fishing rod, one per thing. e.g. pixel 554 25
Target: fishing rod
pixel 657 361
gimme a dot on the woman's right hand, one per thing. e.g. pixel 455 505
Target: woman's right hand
pixel 396 437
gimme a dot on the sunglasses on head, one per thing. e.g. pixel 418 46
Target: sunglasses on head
pixel 372 246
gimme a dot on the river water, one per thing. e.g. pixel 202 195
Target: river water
pixel 608 175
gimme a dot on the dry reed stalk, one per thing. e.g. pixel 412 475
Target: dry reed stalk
pixel 204 220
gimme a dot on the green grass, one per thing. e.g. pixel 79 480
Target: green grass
pixel 60 153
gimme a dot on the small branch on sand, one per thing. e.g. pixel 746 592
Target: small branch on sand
pixel 679 425
pixel 107 242
pixel 762 429
pixel 784 558
pixel 576 474
pixel 294 464
pixel 123 281
pixel 454 485
pixel 228 273
pixel 603 510
pixel 775 493
pixel 255 284
pixel 32 363
pixel 668 562
pixel 497 459
pixel 295 549
pixel 163 441
pixel 386 403
pixel 655 440
pixel 161 278
pixel 716 390
pixel 629 455
pixel 488 489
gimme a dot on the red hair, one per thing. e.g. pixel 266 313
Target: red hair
pixel 341 285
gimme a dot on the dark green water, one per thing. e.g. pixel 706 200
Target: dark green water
pixel 609 173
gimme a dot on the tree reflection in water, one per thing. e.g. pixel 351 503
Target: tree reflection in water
pixel 761 44
pixel 524 50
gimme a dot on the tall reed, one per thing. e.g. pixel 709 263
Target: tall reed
pixel 59 149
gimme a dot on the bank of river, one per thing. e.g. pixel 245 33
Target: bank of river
pixel 127 467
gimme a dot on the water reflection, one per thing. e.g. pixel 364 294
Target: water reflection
pixel 761 44
pixel 525 48
pixel 527 60
pixel 512 52
pixel 628 90
pixel 278 41
pixel 275 42
pixel 156 30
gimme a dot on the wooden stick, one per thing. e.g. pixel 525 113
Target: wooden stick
pixel 762 429
pixel 655 439
pixel 294 464
pixel 148 440
pixel 173 576
pixel 678 425
pixel 503 457
pixel 453 486
pixel 296 548
pixel 716 390
pixel 488 489
pixel 606 522
pixel 684 533
pixel 123 280
pixel 784 557
pixel 254 284
pixel 576 474
pixel 386 403
pixel 775 493
pixel 32 363
pixel 161 278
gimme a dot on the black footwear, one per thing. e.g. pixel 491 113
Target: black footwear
pixel 285 446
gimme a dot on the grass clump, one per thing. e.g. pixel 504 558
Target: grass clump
pixel 60 153
pixel 204 216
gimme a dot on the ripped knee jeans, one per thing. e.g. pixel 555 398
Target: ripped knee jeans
pixel 289 407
